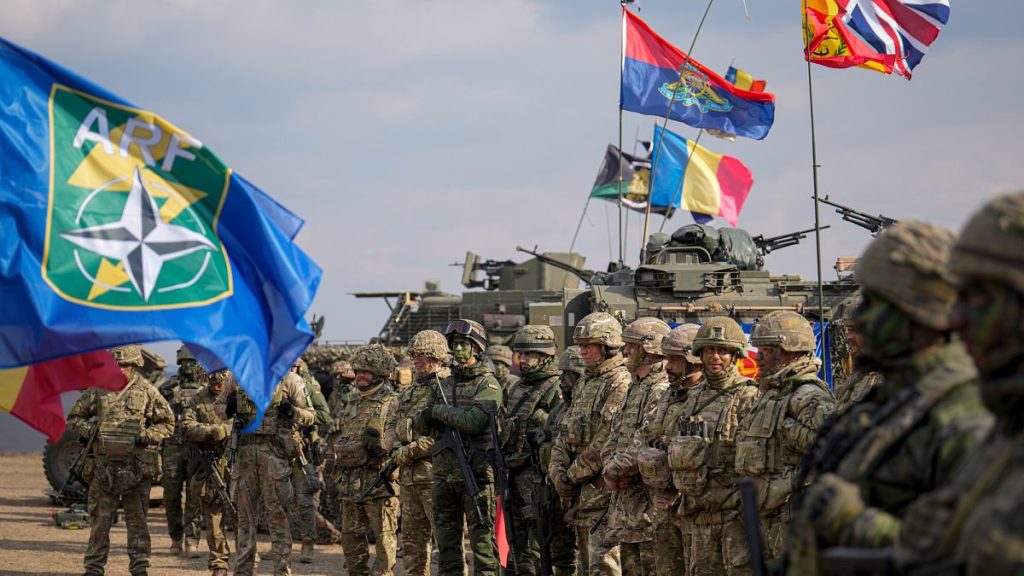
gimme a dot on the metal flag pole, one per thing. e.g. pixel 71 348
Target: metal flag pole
pixel 814 176
pixel 664 125
pixel 579 224
pixel 622 60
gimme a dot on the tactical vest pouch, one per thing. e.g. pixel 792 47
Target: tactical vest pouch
pixel 752 456
pixel 654 470
pixel 687 458
pixel 149 464
pixel 115 448
pixel 403 430
pixel 575 429
pixel 350 452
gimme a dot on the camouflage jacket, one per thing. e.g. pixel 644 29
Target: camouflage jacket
pixel 89 407
pixel 629 517
pixel 780 428
pixel 201 424
pixel 584 430
pixel 508 382
pixel 528 405
pixel 282 431
pixel 357 441
pixel 178 391
pixel 409 449
pixel 704 467
pixel 855 388
pixel 473 396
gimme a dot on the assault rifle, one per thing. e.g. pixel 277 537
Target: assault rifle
pixel 208 460
pixel 751 509
pixel 504 493
pixel 75 470
pixel 542 498
pixel 236 431
pixel 773 243
pixel 308 468
pixel 452 440
pixel 383 476
pixel 862 219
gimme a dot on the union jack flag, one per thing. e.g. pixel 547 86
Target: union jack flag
pixel 884 35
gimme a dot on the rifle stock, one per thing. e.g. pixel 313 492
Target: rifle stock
pixel 75 470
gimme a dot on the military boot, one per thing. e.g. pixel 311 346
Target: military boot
pixel 192 548
pixel 176 546
pixel 306 555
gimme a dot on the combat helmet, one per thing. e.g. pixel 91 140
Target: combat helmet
pixel 468 328
pixel 571 361
pixel 907 265
pixel 499 353
pixel 535 338
pixel 430 343
pixel 375 359
pixel 723 332
pixel 992 243
pixel 648 332
pixel 185 354
pixel 785 329
pixel 128 355
pixel 599 328
pixel 679 342
pixel 343 369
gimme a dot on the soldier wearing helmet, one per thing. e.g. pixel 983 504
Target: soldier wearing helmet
pixel 179 463
pixel 357 440
pixel 630 518
pixel 466 402
pixel 850 379
pixel 909 434
pixel 262 473
pixel 501 357
pixel 576 463
pixel 528 405
pixel 783 424
pixel 129 426
pixel 304 517
pixel 700 437
pixel 410 450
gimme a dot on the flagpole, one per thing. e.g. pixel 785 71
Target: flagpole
pixel 814 177
pixel 682 177
pixel 622 59
pixel 664 126
pixel 580 223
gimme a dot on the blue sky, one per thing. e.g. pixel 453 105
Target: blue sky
pixel 406 133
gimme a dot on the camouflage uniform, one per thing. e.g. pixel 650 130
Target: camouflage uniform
pixel 201 425
pixel 850 381
pixel 631 522
pixel 473 396
pixel 501 357
pixel 649 448
pixel 304 517
pixel 976 523
pixel 262 474
pixel 528 406
pixel 131 425
pixel 702 454
pixel 908 435
pixel 357 442
pixel 411 451
pixel 576 454
pixel 179 461
pixel 784 422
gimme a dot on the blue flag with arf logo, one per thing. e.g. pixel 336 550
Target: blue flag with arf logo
pixel 119 227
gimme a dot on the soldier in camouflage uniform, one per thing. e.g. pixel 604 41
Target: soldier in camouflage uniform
pixel 576 464
pixel 784 422
pixel 702 452
pixel 201 425
pixel 129 425
pixel 975 525
pixel 529 404
pixel 411 451
pixel 650 448
pixel 501 357
pixel 342 388
pixel 304 516
pixel 178 458
pixel 908 435
pixel 472 396
pixel 357 442
pixel 262 475
pixel 854 382
pixel 630 517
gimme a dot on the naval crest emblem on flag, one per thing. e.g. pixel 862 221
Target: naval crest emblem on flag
pixel 694 89
pixel 133 209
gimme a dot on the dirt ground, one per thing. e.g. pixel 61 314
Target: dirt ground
pixel 30 542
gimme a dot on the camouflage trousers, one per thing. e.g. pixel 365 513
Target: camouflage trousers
pixel 563 542
pixel 717 549
pixel 262 481
pixel 453 509
pixel 638 558
pixel 774 529
pixel 379 515
pixel 303 515
pixel 417 528
pixel 598 555
pixel 201 490
pixel 178 467
pixel 522 502
pixel 102 507
pixel 670 557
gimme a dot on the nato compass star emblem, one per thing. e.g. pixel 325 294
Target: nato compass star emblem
pixel 133 210
pixel 141 240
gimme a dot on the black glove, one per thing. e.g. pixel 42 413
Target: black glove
pixel 285 408
pixel 231 404
pixel 537 437
pixel 371 439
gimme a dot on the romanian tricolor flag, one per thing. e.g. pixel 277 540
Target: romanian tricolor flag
pixel 32 393
pixel 660 79
pixel 694 178
pixel 744 81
